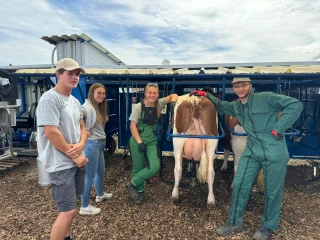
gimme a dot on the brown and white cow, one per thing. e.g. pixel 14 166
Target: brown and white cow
pixel 236 143
pixel 195 116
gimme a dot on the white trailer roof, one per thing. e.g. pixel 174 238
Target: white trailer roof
pixel 171 70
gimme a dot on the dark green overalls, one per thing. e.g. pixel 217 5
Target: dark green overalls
pixel 147 126
pixel 258 118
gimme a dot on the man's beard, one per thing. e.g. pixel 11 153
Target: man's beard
pixel 247 94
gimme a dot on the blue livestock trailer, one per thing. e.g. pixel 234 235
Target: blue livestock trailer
pixel 125 85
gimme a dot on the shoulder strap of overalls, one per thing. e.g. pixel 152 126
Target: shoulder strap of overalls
pixel 143 106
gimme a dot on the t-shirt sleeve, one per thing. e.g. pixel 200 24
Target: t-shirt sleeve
pixel 162 103
pixel 136 113
pixel 83 114
pixel 48 113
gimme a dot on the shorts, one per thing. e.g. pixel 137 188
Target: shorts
pixel 66 186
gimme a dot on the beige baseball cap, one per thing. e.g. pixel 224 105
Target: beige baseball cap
pixel 243 79
pixel 68 64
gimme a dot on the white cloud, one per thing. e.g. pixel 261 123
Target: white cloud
pixel 145 32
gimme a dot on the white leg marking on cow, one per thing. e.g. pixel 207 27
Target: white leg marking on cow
pixel 203 166
pixel 210 150
pixel 178 156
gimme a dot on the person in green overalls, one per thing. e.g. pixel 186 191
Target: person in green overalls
pixel 143 142
pixel 266 148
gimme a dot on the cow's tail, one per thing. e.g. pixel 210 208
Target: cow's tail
pixel 202 173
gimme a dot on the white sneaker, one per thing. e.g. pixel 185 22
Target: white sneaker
pixel 90 210
pixel 104 197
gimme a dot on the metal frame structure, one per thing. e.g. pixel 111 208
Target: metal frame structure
pixel 6 146
pixel 125 85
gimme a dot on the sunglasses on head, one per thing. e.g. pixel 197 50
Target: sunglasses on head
pixel 152 84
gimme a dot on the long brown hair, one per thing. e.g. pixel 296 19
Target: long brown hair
pixel 101 109
pixel 156 103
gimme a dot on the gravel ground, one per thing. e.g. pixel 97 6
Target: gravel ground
pixel 27 210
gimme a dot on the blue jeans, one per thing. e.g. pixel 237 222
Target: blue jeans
pixel 95 169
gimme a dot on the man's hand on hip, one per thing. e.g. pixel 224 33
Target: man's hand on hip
pixel 277 135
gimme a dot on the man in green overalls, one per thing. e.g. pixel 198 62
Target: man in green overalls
pixel 266 148
pixel 143 142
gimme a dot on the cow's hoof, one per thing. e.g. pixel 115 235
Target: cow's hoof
pixel 175 200
pixel 210 205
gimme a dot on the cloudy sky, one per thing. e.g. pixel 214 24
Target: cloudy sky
pixel 146 32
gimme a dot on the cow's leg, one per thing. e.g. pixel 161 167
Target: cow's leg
pixel 210 151
pixel 178 156
pixel 226 153
pixel 211 199
pixel 260 181
pixel 238 144
pixel 236 163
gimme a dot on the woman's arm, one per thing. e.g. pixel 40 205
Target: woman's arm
pixel 135 132
pixel 172 98
pixel 223 107
pixel 77 148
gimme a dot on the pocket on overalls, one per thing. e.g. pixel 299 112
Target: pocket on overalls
pixel 260 120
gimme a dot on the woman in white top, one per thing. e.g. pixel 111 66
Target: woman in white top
pixel 95 115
